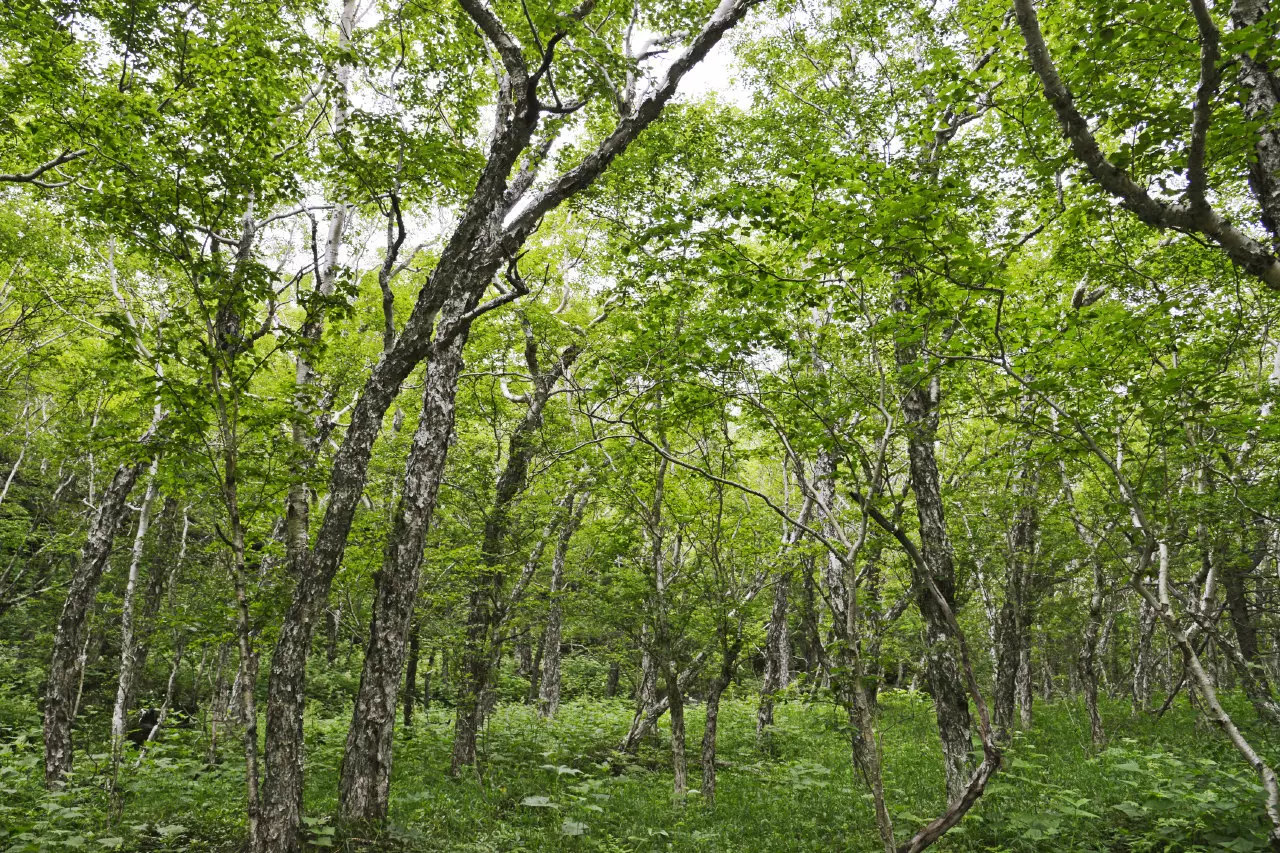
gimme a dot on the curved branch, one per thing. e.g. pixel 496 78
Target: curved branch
pixel 1189 217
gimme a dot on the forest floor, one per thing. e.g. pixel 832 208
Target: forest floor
pixel 1167 784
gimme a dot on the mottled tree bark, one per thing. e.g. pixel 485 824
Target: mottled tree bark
pixel 777 653
pixel 549 688
pixel 1191 213
pixel 611 681
pixel 64 674
pixel 1248 661
pixel 411 678
pixel 484 239
pixel 812 651
pixel 920 399
pixel 1261 81
pixel 675 704
pixel 728 664
pixel 1143 659
pixel 366 766
pixel 649 713
pixel 1025 693
pixel 128 636
pixel 485 607
pixel 1089 655
pixel 1013 626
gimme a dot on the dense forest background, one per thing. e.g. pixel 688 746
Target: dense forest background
pixel 878 427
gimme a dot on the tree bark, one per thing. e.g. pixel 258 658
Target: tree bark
pixel 485 610
pixel 675 703
pixel 920 401
pixel 728 664
pixel 480 243
pixel 1089 655
pixel 64 673
pixel 411 678
pixel 366 766
pixel 777 653
pixel 1013 626
pixel 1143 659
pixel 611 681
pixel 549 688
pixel 1248 662
pixel 1262 84
pixel 1026 695
pixel 128 645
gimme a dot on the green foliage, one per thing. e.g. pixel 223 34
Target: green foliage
pixel 558 786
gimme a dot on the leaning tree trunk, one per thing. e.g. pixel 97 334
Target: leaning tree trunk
pixel 646 695
pixel 64 673
pixel 489 233
pixel 942 667
pixel 366 765
pixel 647 716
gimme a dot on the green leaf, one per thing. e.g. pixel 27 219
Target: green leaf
pixel 539 803
pixel 572 827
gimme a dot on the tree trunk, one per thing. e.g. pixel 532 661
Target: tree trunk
pixel 523 653
pixel 481 242
pixel 1143 660
pixel 426 679
pixel 814 655
pixel 1262 83
pixel 366 766
pixel 485 611
pixel 611 682
pixel 217 706
pixel 1013 626
pixel 777 653
pixel 247 679
pixel 1089 655
pixel 549 689
pixel 64 674
pixel 728 663
pixel 675 703
pixel 535 671
pixel 179 645
pixel 1026 696
pixel 1249 664
pixel 647 716
pixel 160 580
pixel 128 649
pixel 942 669
pixel 549 685
pixel 411 678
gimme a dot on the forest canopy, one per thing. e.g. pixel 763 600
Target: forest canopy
pixel 882 392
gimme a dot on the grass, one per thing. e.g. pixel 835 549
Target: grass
pixel 558 786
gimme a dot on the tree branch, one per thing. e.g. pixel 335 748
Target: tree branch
pixel 1243 250
pixel 33 177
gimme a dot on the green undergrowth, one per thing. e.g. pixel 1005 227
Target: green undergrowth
pixel 1159 785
